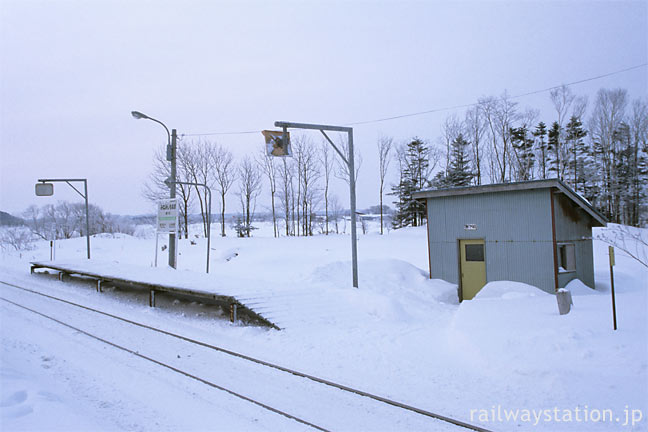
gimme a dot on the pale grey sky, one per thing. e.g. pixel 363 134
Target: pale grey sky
pixel 71 72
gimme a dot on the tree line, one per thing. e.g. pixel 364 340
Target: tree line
pixel 299 186
pixel 65 220
pixel 599 148
pixel 601 153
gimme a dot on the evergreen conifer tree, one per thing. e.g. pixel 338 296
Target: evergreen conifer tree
pixel 553 150
pixel 540 133
pixel 578 153
pixel 523 146
pixel 413 177
pixel 459 173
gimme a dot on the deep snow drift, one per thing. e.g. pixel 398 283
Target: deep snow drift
pixel 399 335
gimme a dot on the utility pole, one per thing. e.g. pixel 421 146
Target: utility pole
pixel 173 262
pixel 171 156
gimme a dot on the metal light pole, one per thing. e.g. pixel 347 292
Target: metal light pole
pixel 348 159
pixel 209 205
pixel 171 156
pixel 46 188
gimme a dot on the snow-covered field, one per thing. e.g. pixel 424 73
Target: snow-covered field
pixel 400 335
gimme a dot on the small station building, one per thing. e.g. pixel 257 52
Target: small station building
pixel 536 232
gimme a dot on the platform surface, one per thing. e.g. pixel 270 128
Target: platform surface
pixel 281 305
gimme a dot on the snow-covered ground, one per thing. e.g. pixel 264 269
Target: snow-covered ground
pixel 400 335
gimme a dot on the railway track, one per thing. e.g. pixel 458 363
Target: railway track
pixel 310 400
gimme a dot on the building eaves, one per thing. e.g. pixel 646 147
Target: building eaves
pixel 510 187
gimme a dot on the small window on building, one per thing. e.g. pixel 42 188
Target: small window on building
pixel 567 257
pixel 474 252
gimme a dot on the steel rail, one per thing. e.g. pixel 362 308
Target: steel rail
pixel 268 364
pixel 174 369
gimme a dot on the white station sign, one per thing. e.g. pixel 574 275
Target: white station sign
pixel 167 216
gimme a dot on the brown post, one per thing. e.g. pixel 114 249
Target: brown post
pixel 233 312
pixel 427 230
pixel 611 251
pixel 553 238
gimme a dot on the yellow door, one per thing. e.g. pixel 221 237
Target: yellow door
pixel 472 267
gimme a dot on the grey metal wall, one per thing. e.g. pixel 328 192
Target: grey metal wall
pixel 516 227
pixel 573 226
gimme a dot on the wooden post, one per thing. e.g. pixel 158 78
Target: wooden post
pixel 233 311
pixel 152 298
pixel 611 250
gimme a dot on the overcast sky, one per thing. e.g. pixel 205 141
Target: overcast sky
pixel 72 71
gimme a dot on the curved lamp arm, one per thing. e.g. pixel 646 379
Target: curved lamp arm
pixel 138 115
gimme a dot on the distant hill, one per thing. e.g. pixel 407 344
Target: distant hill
pixel 7 220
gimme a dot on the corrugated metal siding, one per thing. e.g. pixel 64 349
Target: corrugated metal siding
pixel 573 226
pixel 515 225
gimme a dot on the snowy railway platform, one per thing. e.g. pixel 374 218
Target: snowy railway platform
pixel 259 305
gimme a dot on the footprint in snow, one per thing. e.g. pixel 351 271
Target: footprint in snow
pixel 13 399
pixel 14 406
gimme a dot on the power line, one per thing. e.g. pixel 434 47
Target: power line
pixel 221 133
pixel 511 97
pixel 450 108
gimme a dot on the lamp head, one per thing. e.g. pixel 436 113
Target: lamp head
pixel 138 115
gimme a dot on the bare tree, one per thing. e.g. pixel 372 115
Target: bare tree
pixel 562 99
pixel 298 152
pixel 156 189
pixel 19 238
pixel 308 175
pixel 336 212
pixel 63 217
pixel 249 189
pixel 564 102
pixel 452 128
pixel 342 171
pixel 609 113
pixel 201 169
pixel 38 223
pixel 384 158
pixel 638 123
pixel 267 164
pixel 632 241
pixel 286 176
pixel 183 191
pixel 327 161
pixel 500 114
pixel 475 129
pixel 224 174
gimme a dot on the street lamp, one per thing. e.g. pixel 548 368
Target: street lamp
pixel 171 156
pixel 46 188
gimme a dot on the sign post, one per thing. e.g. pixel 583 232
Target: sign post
pixel 167 221
pixel 611 250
